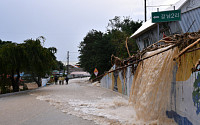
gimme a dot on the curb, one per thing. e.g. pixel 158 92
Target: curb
pixel 20 92
pixel 17 93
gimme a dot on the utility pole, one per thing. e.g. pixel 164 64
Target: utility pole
pixel 145 10
pixel 158 30
pixel 67 63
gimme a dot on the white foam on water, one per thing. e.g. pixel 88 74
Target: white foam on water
pixel 111 109
pixel 149 97
pixel 104 111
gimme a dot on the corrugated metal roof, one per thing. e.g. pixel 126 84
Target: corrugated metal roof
pixel 148 24
pixel 190 19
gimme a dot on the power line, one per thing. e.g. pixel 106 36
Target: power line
pixel 159 5
pixel 67 62
pixel 73 52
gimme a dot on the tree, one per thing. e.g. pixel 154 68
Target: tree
pixel 30 57
pixel 40 59
pixel 59 66
pixel 12 56
pixel 95 52
pixel 4 82
pixel 120 30
pixel 126 25
pixel 97 47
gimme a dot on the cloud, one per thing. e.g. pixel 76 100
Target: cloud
pixel 64 23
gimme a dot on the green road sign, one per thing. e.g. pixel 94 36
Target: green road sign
pixel 166 16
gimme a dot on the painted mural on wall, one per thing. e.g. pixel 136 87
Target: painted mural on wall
pixel 185 94
pixel 118 81
pixel 184 105
pixel 196 93
pixel 115 88
pixel 185 64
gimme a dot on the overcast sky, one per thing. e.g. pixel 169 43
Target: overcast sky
pixel 64 23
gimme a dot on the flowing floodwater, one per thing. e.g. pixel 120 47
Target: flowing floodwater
pixel 82 99
pixel 150 92
pixel 147 104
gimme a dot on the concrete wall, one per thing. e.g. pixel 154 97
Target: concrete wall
pixel 119 81
pixel 184 105
pixel 185 91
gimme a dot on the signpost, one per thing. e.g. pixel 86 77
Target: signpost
pixel 166 16
pixel 96 72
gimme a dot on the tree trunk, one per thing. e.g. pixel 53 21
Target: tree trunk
pixel 39 81
pixel 15 85
pixel 17 79
pixel 3 83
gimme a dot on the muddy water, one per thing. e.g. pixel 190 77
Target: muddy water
pixel 82 99
pixel 148 101
pixel 151 86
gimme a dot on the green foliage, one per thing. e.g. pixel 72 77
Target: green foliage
pixel 40 59
pixel 97 47
pixel 95 51
pixel 126 25
pixel 10 54
pixel 119 31
pixel 4 82
pixel 59 66
pixel 30 57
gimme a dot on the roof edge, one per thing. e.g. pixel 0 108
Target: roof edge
pixel 148 24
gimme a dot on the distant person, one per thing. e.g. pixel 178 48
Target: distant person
pixel 67 79
pixel 56 79
pixel 60 80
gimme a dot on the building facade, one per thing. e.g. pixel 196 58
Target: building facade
pixel 148 33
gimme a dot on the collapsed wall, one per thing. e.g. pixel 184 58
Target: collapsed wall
pixel 162 87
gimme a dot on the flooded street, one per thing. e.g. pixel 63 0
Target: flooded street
pixel 24 109
pixel 88 101
pixel 78 103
